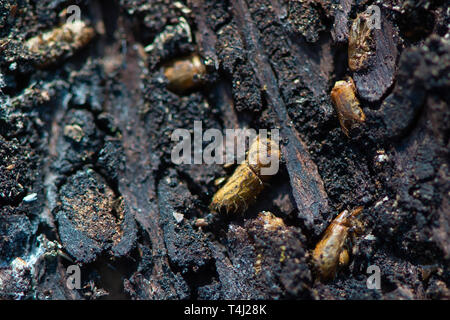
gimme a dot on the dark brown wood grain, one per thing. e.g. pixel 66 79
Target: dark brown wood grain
pixel 373 82
pixel 307 186
pixel 100 122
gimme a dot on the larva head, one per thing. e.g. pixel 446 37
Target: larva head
pixel 357 223
pixel 356 212
pixel 348 217
pixel 263 153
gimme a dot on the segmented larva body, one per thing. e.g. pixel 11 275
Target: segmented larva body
pixel 59 42
pixel 360 42
pixel 247 181
pixel 241 189
pixel 346 104
pixel 331 251
pixel 185 74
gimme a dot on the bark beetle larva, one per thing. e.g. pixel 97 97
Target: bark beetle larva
pixel 247 182
pixel 185 74
pixel 200 223
pixel 331 250
pixel 59 42
pixel 271 222
pixel 241 188
pixel 347 105
pixel 360 42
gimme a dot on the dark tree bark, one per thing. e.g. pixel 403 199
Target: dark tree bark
pixel 86 176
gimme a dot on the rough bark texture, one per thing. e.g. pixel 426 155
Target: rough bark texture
pixel 86 176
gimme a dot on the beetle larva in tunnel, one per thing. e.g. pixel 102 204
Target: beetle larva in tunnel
pixel 346 104
pixel 360 42
pixel 247 182
pixel 331 250
pixel 59 42
pixel 185 74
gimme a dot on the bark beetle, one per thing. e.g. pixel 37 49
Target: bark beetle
pixel 92 133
